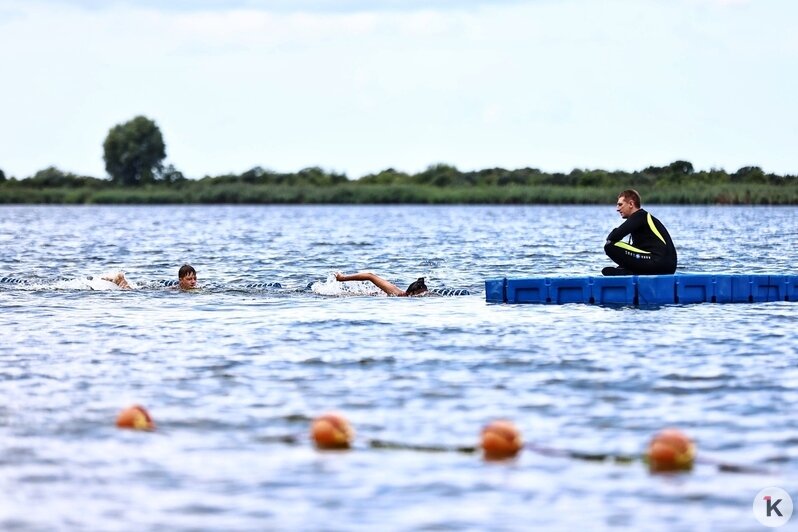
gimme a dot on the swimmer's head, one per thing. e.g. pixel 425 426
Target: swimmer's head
pixel 416 287
pixel 187 277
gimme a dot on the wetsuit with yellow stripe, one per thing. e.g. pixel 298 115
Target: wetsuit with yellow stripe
pixel 650 251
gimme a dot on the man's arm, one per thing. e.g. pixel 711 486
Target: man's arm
pixel 631 224
pixel 386 286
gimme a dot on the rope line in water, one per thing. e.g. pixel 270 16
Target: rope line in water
pixel 382 444
pixel 174 282
pixel 668 451
pixel 168 283
pixel 724 467
pixel 263 285
pixel 437 291
pixel 450 291
pixel 13 280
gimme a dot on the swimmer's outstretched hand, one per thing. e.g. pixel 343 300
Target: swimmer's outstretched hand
pixel 118 279
pixel 362 276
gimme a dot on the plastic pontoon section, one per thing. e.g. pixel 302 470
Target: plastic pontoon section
pixel 644 289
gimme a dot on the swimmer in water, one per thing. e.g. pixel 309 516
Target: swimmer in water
pixel 416 288
pixel 186 278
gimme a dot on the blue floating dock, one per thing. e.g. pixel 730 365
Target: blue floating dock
pixel 644 289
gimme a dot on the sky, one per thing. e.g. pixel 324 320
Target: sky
pixel 357 87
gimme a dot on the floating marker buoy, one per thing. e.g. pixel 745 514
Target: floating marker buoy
pixel 331 431
pixel 500 440
pixel 135 417
pixel 670 450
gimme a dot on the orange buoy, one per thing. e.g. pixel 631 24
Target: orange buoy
pixel 500 440
pixel 135 417
pixel 332 431
pixel 670 450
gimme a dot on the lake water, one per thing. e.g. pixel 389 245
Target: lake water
pixel 233 375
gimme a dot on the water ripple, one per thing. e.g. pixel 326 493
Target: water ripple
pixel 233 376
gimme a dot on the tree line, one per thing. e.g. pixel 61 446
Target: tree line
pixel 134 154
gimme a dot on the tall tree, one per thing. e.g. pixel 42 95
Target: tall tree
pixel 134 152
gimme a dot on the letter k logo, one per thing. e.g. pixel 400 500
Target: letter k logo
pixel 772 506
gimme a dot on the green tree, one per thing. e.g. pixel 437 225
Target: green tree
pixel 385 177
pixel 316 176
pixel 52 177
pixel 749 174
pixel 438 175
pixel 682 167
pixel 134 152
pixel 2 176
pixel 170 174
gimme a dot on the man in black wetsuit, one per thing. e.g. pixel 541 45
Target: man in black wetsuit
pixel 650 250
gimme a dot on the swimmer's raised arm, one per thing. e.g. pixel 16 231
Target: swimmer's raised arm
pixel 416 288
pixel 386 286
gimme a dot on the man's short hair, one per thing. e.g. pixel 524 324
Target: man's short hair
pixel 631 194
pixel 185 270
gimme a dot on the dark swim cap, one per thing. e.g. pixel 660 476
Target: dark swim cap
pixel 416 287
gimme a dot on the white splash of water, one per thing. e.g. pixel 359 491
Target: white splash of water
pixel 331 287
pixel 91 282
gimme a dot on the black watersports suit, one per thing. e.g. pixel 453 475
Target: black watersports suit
pixel 650 251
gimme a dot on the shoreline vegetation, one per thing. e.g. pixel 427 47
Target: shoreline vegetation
pixel 134 153
pixel 677 183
